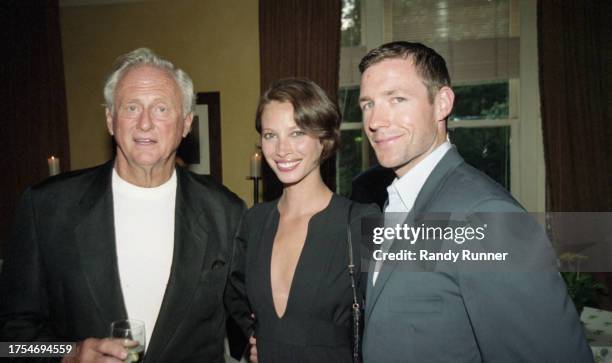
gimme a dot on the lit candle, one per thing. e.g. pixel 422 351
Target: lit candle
pixel 256 165
pixel 54 165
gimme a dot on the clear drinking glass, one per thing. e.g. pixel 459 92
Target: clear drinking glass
pixel 132 332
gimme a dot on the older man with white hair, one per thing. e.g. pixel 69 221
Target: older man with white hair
pixel 134 238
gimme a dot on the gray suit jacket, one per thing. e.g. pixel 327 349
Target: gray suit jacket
pixel 454 314
pixel 60 281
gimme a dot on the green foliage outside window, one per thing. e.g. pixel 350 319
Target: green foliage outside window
pixel 351 23
pixel 483 101
pixel 349 159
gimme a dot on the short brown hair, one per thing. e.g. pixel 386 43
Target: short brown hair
pixel 429 64
pixel 313 111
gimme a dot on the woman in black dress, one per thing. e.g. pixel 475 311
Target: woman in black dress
pixel 297 278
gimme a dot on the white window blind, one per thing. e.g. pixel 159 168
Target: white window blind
pixel 478 38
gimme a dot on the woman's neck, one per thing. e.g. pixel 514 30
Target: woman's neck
pixel 309 196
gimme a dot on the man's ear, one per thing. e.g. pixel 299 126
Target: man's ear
pixel 109 121
pixel 187 124
pixel 443 103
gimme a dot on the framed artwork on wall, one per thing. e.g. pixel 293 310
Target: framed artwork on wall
pixel 201 149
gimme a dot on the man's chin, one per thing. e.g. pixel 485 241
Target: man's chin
pixel 149 159
pixel 397 165
pixel 389 163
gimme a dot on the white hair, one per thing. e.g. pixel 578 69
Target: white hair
pixel 145 56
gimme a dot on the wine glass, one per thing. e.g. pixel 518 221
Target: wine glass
pixel 132 333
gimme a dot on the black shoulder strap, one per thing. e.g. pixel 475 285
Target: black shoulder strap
pixel 351 268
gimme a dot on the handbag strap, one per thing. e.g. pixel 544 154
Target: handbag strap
pixel 356 308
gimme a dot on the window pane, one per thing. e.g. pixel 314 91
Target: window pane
pixel 349 159
pixel 483 101
pixel 478 38
pixel 435 20
pixel 487 149
pixel 351 23
pixel 348 101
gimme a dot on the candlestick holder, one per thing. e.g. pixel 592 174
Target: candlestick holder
pixel 255 180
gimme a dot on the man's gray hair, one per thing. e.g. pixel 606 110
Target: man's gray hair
pixel 145 56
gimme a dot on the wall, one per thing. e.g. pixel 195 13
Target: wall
pixel 215 41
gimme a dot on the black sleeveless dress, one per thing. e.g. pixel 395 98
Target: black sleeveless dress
pixel 317 324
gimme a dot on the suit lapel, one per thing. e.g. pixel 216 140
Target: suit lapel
pixel 369 300
pixel 449 162
pixel 95 238
pixel 385 271
pixel 370 296
pixel 436 179
pixel 190 242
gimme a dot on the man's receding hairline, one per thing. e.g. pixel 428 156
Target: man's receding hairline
pixel 167 73
pixel 406 56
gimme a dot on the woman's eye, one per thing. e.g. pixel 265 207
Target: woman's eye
pixel 366 106
pixel 398 99
pixel 267 135
pixel 298 133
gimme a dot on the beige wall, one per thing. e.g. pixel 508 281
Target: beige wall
pixel 215 41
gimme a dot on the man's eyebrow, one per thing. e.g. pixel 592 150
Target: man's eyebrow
pixel 390 92
pixel 395 91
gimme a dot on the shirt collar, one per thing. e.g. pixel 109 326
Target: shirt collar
pixel 404 191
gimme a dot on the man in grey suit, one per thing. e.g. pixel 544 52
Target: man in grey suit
pixel 443 312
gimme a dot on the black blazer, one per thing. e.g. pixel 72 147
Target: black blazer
pixel 61 282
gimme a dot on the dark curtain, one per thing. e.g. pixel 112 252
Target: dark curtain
pixel 34 123
pixel 575 85
pixel 575 55
pixel 299 38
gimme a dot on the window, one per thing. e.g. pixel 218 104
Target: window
pixel 494 71
pixel 355 152
pixel 354 155
pixel 484 142
pixel 351 23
